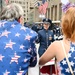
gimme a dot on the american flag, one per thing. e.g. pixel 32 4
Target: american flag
pixel 43 1
pixel 45 5
pixel 40 8
pixel 6 1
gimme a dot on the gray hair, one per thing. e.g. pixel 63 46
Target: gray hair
pixel 12 12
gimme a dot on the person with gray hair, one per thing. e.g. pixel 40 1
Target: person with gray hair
pixel 16 13
pixel 17 43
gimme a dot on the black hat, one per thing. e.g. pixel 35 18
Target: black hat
pixel 47 20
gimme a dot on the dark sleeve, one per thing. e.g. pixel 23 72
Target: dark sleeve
pixel 38 37
pixel 33 60
pixel 53 37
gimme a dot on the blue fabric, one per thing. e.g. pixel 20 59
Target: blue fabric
pixel 17 48
pixel 43 1
pixel 44 38
pixel 38 4
pixel 63 66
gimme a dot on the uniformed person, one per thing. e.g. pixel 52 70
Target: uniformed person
pixel 45 36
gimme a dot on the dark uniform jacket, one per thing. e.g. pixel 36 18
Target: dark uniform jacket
pixel 45 37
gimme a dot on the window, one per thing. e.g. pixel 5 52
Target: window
pixel 52 12
pixel 20 2
pixel 55 12
pixel 60 11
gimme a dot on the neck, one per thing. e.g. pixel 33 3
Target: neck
pixel 66 41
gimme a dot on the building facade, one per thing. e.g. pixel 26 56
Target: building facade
pixel 2 4
pixel 31 14
pixel 30 9
pixel 54 11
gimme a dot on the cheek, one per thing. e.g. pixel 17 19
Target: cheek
pixel 48 26
pixel 22 21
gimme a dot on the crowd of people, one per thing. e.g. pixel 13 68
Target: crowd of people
pixel 17 43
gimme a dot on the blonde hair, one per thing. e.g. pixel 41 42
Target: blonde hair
pixel 11 12
pixel 68 24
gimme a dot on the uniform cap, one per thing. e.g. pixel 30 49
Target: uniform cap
pixel 47 20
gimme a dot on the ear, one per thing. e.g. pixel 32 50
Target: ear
pixel 21 20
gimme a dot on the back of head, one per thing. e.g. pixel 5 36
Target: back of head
pixel 68 24
pixel 11 12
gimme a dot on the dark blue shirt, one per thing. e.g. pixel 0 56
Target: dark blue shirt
pixel 45 37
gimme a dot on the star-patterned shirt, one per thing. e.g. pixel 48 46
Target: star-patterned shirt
pixel 17 48
pixel 62 66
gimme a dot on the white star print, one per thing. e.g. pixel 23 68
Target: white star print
pixel 6 73
pixel 72 49
pixel 34 41
pixel 22 46
pixel 23 28
pixel 9 45
pixel 5 33
pixel 61 68
pixel 20 68
pixel 34 59
pixel 64 62
pixel 72 63
pixel 28 37
pixel 67 70
pixel 20 73
pixel 1 57
pixel 31 32
pixel 17 34
pixel 2 23
pixel 25 60
pixel 69 55
pixel 15 58
pixel 74 57
pixel 13 25
pixel 29 50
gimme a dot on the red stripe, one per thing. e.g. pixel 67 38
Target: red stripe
pixel 40 9
pixel 6 1
pixel 45 5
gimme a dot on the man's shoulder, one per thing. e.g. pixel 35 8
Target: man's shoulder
pixel 30 30
pixel 57 42
pixel 41 31
pixel 51 31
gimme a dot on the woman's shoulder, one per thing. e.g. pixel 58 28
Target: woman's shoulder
pixel 56 42
pixel 56 45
